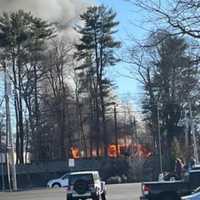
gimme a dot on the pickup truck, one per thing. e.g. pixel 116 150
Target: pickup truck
pixel 171 190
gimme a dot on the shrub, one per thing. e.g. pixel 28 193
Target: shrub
pixel 124 178
pixel 114 180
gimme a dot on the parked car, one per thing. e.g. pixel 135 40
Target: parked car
pixel 194 196
pixel 63 181
pixel 86 185
pixel 171 190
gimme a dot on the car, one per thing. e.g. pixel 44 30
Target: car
pixel 194 196
pixel 86 185
pixel 59 182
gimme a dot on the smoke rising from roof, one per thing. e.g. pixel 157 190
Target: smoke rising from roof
pixel 64 12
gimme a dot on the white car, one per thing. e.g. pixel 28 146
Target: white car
pixel 194 196
pixel 63 181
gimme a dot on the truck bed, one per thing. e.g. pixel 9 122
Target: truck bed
pixel 171 189
pixel 157 188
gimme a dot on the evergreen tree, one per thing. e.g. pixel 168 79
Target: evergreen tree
pixel 95 53
pixel 170 78
pixel 22 38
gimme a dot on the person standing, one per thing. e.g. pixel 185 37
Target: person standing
pixel 179 165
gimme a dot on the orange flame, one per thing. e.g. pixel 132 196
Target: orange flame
pixel 122 149
pixel 137 149
pixel 75 152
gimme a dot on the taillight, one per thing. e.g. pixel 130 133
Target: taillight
pixel 67 188
pixel 146 189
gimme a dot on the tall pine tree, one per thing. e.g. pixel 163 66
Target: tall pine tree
pixel 95 53
pixel 22 41
pixel 170 79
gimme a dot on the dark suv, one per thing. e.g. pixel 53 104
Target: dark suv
pixel 86 185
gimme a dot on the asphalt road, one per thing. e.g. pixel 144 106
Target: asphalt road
pixel 115 192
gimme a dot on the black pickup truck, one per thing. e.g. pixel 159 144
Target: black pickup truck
pixel 171 190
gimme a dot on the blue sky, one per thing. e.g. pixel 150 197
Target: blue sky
pixel 130 21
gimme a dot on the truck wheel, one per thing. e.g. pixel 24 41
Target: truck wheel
pixel 96 198
pixel 69 197
pixel 103 196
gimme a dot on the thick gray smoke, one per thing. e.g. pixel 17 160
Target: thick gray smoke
pixel 64 12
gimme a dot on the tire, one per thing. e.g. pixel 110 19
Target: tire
pixel 56 185
pixel 81 186
pixel 69 197
pixel 103 196
pixel 96 198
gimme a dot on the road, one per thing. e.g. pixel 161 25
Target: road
pixel 115 192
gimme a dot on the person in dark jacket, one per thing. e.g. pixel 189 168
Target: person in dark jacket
pixel 179 165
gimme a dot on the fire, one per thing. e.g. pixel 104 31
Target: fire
pixel 114 151
pixel 122 149
pixel 75 152
pixel 141 151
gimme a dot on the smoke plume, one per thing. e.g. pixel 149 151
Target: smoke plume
pixel 63 12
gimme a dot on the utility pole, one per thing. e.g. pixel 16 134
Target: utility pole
pixel 2 157
pixel 136 134
pixel 159 140
pixel 2 161
pixel 116 132
pixel 187 146
pixel 10 147
pixel 193 134
pixel 136 137
pixel 132 135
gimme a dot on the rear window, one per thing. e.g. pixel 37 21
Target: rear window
pixel 86 177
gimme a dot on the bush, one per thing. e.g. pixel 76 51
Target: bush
pixel 124 178
pixel 129 170
pixel 114 180
pixel 135 171
pixel 115 168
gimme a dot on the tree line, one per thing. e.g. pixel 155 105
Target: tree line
pixel 168 66
pixel 64 97
pixel 61 92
